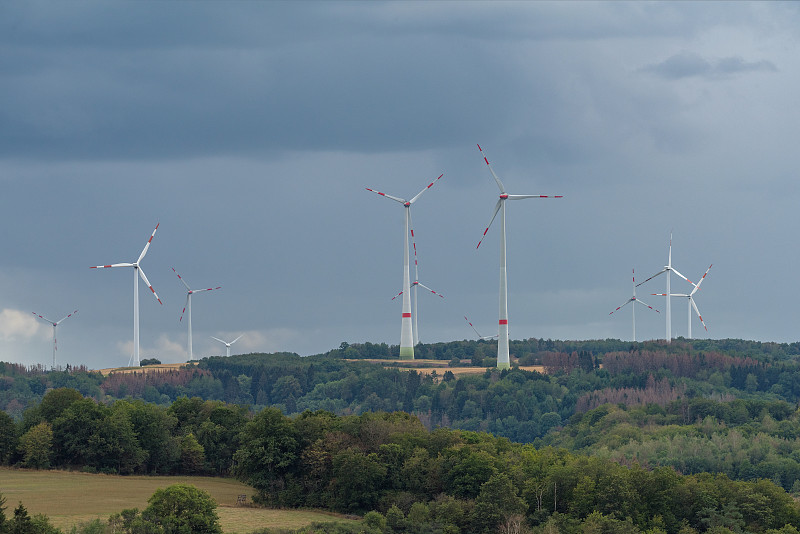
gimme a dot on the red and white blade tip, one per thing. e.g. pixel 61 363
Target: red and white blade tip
pixel 484 155
pixel 433 182
pixel 155 295
pixel 154 233
pixel 484 235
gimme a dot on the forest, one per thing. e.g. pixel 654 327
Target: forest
pixel 691 436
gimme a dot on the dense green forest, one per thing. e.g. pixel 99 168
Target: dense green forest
pixel 716 421
pixel 408 478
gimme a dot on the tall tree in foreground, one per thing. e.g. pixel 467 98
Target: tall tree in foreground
pixel 36 446
pixel 183 509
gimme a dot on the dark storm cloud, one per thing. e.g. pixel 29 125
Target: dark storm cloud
pixel 164 88
pixel 249 130
pixel 688 65
pixel 87 80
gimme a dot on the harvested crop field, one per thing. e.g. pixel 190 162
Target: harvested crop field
pixel 70 498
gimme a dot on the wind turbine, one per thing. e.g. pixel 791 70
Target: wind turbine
pixel 667 269
pixel 188 305
pixel 634 299
pixel 406 329
pixel 137 272
pixel 484 338
pixel 416 283
pixel 690 297
pixel 503 361
pixel 55 324
pixel 227 345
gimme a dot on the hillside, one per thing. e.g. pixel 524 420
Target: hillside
pixel 357 433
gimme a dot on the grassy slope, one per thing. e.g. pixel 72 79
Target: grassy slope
pixel 69 498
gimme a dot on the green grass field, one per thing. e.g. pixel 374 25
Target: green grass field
pixel 70 498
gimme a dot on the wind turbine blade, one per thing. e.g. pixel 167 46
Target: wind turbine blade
pixel 185 304
pixel 679 274
pixel 698 314
pixel 646 304
pixel 181 279
pixel 520 197
pixel 42 317
pixel 473 327
pixel 147 245
pixel 66 317
pixel 496 179
pixel 400 200
pixel 414 244
pixel 623 305
pixel 662 271
pixel 431 290
pixel 146 281
pixel 669 260
pixel 193 291
pixel 112 265
pixel 394 297
pixel 496 209
pixel 218 339
pixel 426 188
pixel 237 339
pixel 701 280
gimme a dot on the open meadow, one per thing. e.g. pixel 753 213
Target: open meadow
pixel 70 498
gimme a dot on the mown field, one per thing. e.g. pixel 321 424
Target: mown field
pixel 70 498
pixel 427 367
pixel 147 368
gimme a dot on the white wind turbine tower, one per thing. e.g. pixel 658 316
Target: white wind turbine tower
pixel 690 297
pixel 406 329
pixel 55 325
pixel 227 345
pixel 503 361
pixel 416 283
pixel 634 299
pixel 667 269
pixel 137 272
pixel 188 306
pixel 485 338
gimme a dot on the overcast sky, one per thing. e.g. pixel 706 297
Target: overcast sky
pixel 250 130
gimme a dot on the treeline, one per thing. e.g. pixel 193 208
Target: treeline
pixel 459 481
pixel 69 431
pixel 445 480
pixel 516 404
pixel 529 351
pixel 744 439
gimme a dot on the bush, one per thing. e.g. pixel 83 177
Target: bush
pixel 183 508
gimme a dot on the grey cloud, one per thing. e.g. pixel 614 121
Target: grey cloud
pixel 732 65
pixel 689 64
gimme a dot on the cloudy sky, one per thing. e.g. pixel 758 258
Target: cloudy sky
pixel 250 130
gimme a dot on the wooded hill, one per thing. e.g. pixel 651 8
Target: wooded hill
pixel 722 412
